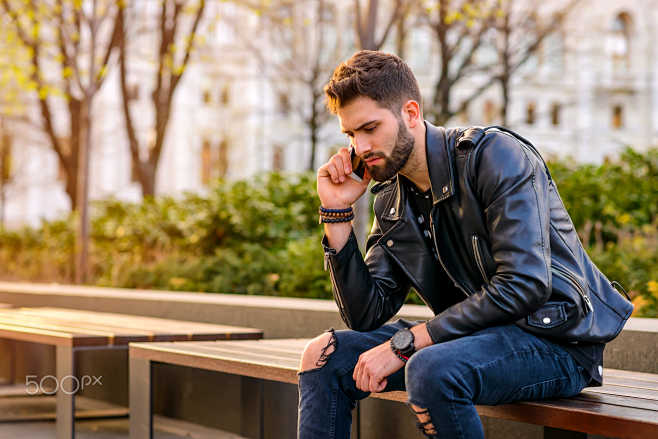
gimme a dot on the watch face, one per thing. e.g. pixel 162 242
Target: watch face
pixel 402 339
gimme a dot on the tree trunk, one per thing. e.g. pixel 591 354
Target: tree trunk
pixel 82 241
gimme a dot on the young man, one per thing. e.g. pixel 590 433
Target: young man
pixel 473 221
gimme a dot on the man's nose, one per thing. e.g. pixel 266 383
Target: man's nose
pixel 361 145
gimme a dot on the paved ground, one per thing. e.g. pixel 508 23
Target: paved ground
pixel 111 429
pixel 32 417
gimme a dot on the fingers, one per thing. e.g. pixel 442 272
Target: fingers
pixel 338 167
pixel 346 159
pixel 381 386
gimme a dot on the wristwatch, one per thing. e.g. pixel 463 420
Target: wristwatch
pixel 402 344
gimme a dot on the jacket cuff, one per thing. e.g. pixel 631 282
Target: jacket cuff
pixel 341 257
pixel 434 330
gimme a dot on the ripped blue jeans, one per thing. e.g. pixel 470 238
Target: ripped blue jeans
pixel 493 366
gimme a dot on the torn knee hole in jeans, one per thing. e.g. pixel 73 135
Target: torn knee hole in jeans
pixel 424 420
pixel 327 350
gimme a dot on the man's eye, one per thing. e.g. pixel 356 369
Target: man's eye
pixel 369 129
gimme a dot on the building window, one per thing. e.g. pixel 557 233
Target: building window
pixel 207 97
pixel 556 109
pixel 214 160
pixel 620 41
pixel 284 103
pixel 225 95
pixel 617 117
pixel 206 162
pixel 222 159
pixel 530 113
pixel 553 51
pixel 278 158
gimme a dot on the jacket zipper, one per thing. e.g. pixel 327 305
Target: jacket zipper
pixel 564 274
pixel 327 263
pixel 478 257
pixel 436 248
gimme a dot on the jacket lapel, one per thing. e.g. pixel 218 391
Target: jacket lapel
pixel 439 163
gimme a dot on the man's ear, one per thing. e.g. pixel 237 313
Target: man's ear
pixel 411 113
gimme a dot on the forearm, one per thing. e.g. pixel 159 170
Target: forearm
pixel 337 234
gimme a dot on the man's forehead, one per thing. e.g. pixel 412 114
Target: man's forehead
pixel 359 113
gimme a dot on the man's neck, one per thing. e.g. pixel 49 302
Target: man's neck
pixel 416 167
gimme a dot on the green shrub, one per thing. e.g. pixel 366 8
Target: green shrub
pixel 261 236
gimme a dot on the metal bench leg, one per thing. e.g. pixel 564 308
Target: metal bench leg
pixel 141 399
pixel 67 386
pixel 556 433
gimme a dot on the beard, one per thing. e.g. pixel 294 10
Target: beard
pixel 404 144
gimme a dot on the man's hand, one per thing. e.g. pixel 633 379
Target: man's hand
pixel 335 188
pixel 374 366
pixel 377 364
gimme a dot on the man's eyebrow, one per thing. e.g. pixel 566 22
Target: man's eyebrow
pixel 360 126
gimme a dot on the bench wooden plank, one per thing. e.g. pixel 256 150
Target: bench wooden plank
pixel 118 336
pixel 58 326
pixel 127 321
pixel 625 406
pixel 46 336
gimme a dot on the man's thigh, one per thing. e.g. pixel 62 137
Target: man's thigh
pixel 496 365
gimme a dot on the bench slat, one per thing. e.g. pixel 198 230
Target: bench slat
pixel 130 322
pixel 58 326
pixel 50 337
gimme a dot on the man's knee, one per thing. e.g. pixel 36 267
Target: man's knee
pixel 317 351
pixel 430 373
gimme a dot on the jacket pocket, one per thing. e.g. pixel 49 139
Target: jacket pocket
pixel 479 255
pixel 565 278
pixel 550 315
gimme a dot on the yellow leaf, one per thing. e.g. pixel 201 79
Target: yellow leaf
pixel 67 72
pixel 639 302
pixel 177 282
pixel 43 93
pixel 624 218
pixel 103 71
pixel 652 285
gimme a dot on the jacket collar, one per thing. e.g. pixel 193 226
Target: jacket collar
pixel 439 164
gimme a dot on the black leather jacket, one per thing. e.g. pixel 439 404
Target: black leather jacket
pixel 508 249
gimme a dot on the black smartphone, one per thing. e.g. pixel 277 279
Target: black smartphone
pixel 358 165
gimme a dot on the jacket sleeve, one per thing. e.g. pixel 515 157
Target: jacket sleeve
pixel 368 292
pixel 513 188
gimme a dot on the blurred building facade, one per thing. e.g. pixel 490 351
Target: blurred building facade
pixel 590 91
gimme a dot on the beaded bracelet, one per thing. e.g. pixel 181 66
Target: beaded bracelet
pixel 336 220
pixel 335 215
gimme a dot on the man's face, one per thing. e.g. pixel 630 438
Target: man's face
pixel 381 139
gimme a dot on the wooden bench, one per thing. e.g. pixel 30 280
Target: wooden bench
pixel 626 406
pixel 73 330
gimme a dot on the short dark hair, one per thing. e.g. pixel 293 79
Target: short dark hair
pixel 383 77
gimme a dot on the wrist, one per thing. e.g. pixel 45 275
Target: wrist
pixel 421 336
pixel 334 205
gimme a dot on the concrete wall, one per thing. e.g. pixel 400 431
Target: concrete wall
pixel 192 394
